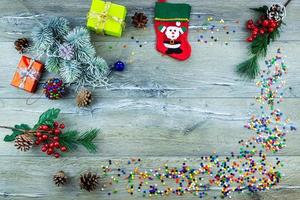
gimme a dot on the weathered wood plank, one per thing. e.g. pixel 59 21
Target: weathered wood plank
pixel 19 17
pixel 153 127
pixel 210 72
pixel 36 179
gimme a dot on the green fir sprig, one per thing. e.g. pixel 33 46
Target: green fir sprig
pixel 69 139
pixel 249 69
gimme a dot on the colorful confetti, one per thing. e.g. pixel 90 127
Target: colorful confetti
pixel 213 30
pixel 250 169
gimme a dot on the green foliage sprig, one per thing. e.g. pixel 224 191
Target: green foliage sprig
pixel 70 53
pixel 257 49
pixel 47 125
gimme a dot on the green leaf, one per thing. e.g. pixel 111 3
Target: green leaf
pixel 48 117
pixel 260 9
pixel 10 138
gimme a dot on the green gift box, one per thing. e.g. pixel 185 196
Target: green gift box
pixel 106 18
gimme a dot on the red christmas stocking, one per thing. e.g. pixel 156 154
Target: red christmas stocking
pixel 171 27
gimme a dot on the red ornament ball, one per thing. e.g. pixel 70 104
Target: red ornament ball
pixel 54 88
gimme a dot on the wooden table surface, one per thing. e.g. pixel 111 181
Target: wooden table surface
pixel 158 109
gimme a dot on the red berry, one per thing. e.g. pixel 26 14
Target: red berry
pixel 38 134
pixel 44 137
pixel 250 26
pixel 49 151
pixel 265 23
pixel 37 142
pixel 262 31
pixel 57 131
pixel 44 149
pixel 46 145
pixel 254 32
pixel 259 22
pixel 249 39
pixel 40 138
pixel 56 138
pixel 250 21
pixel 56 155
pixel 62 126
pixel 56 144
pixel 270 30
pixel 63 148
pixel 51 145
pixel 273 25
pixel 55 124
pixel 44 127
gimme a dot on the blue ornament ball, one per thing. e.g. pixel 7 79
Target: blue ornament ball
pixel 119 66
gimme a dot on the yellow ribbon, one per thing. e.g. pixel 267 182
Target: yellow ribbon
pixel 103 17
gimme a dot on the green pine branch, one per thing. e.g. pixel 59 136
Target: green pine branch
pixel 71 139
pixel 249 68
pixel 258 49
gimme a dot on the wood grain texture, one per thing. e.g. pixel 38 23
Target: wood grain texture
pixel 158 109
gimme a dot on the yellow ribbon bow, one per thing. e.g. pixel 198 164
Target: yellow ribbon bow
pixel 103 17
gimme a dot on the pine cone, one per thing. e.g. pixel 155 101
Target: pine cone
pixel 21 44
pixel 139 20
pixel 84 98
pixel 23 142
pixel 60 178
pixel 89 181
pixel 276 12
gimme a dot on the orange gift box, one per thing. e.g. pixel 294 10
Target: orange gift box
pixel 28 74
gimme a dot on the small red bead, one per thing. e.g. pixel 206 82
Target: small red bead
pixel 37 142
pixel 270 30
pixel 250 26
pixel 250 21
pixel 44 149
pixel 44 127
pixel 56 155
pixel 57 131
pixel 62 126
pixel 265 23
pixel 249 39
pixel 46 145
pixel 273 25
pixel 56 138
pixel 261 31
pixel 49 151
pixel 44 137
pixel 63 148
pixel 56 144
pixel 55 124
pixel 51 145
pixel 38 134
pixel 40 138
